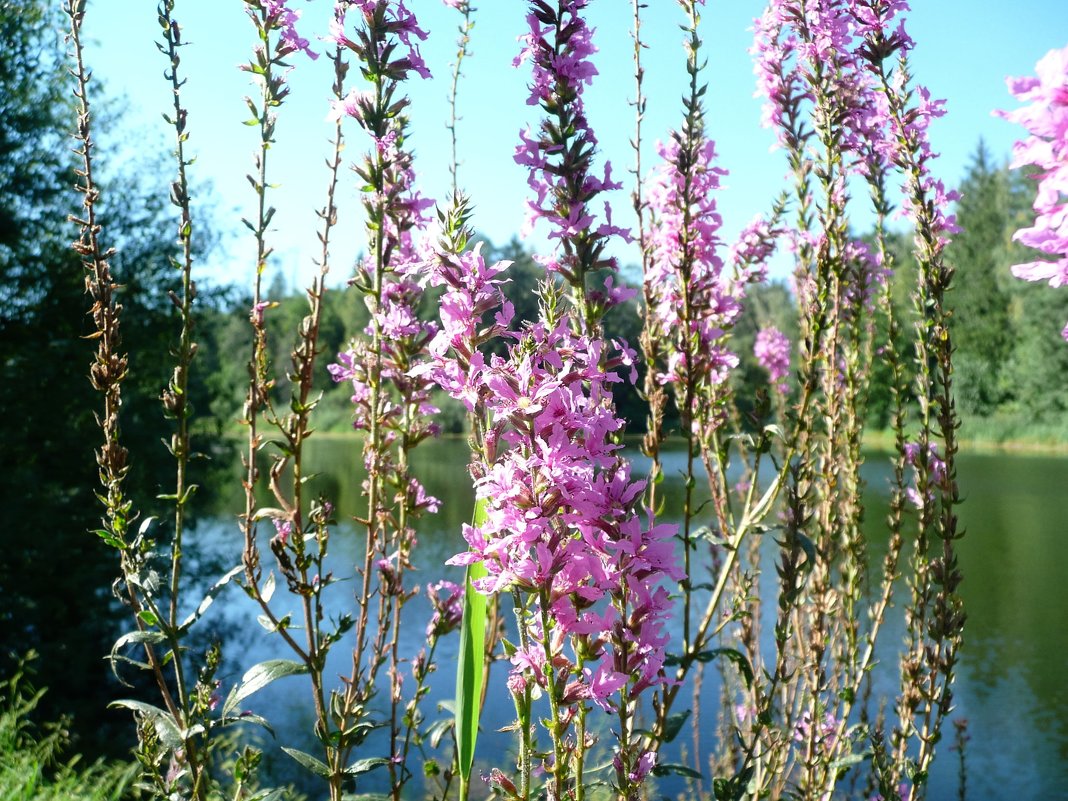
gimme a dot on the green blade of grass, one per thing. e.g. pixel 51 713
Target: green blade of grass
pixel 470 665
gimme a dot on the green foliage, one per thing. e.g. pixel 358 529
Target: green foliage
pixel 1010 358
pixel 980 304
pixel 469 667
pixel 47 506
pixel 31 764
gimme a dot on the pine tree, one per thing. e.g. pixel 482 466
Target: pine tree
pixel 980 305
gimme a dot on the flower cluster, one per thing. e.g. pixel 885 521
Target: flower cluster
pixel 778 76
pixel 284 19
pixel 691 293
pixel 1046 119
pixel 402 336
pixel 749 254
pixel 832 53
pixel 560 156
pixel 560 531
pixel 390 395
pixel 387 23
pixel 865 276
pixel 472 291
pixel 772 350
pixel 901 133
pixel 825 732
pixel 559 526
pixel 933 466
pixel 447 601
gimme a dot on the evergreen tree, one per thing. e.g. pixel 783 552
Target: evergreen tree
pixel 980 306
pixel 1036 393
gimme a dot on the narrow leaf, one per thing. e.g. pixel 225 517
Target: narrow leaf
pixel 677 770
pixel 470 665
pixel 365 765
pixel 673 725
pixel 166 728
pixel 268 588
pixel 209 597
pixel 316 766
pixel 259 676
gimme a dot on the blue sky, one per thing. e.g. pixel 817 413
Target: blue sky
pixel 965 49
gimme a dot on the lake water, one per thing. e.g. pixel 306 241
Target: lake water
pixel 1011 682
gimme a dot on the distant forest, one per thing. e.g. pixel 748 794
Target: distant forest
pixel 1010 358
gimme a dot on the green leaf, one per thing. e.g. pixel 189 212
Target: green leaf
pixel 316 766
pixel 132 638
pixel 437 731
pixel 669 768
pixel 209 597
pixel 135 637
pixel 470 665
pixel 259 676
pixel 848 761
pixel 268 588
pixel 808 547
pixel 673 725
pixel 738 658
pixel 247 717
pixel 165 726
pixel 365 765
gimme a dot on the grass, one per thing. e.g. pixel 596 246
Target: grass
pixel 32 765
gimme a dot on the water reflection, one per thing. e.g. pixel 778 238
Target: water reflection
pixel 1010 683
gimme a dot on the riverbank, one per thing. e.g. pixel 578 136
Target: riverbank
pixel 977 439
pixel 980 439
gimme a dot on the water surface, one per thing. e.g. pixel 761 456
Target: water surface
pixel 1010 685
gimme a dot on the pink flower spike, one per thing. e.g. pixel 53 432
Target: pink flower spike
pixel 1046 120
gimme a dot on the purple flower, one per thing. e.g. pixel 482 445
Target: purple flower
pixel 559 498
pixel 772 350
pixel 687 273
pixel 1046 119
pixel 283 530
pixel 282 17
pixel 447 601
pixel 560 155
pixel 399 25
pixel 934 468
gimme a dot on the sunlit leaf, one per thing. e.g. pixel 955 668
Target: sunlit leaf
pixel 470 664
pixel 259 676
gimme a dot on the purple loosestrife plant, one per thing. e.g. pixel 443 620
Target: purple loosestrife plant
pixel 584 569
pixel 1046 119
pixel 302 525
pixel 561 533
pixel 863 123
pixel 176 741
pixel 390 394
pixel 563 529
pixel 935 617
pixel 693 300
pixel 560 157
pixel 837 117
